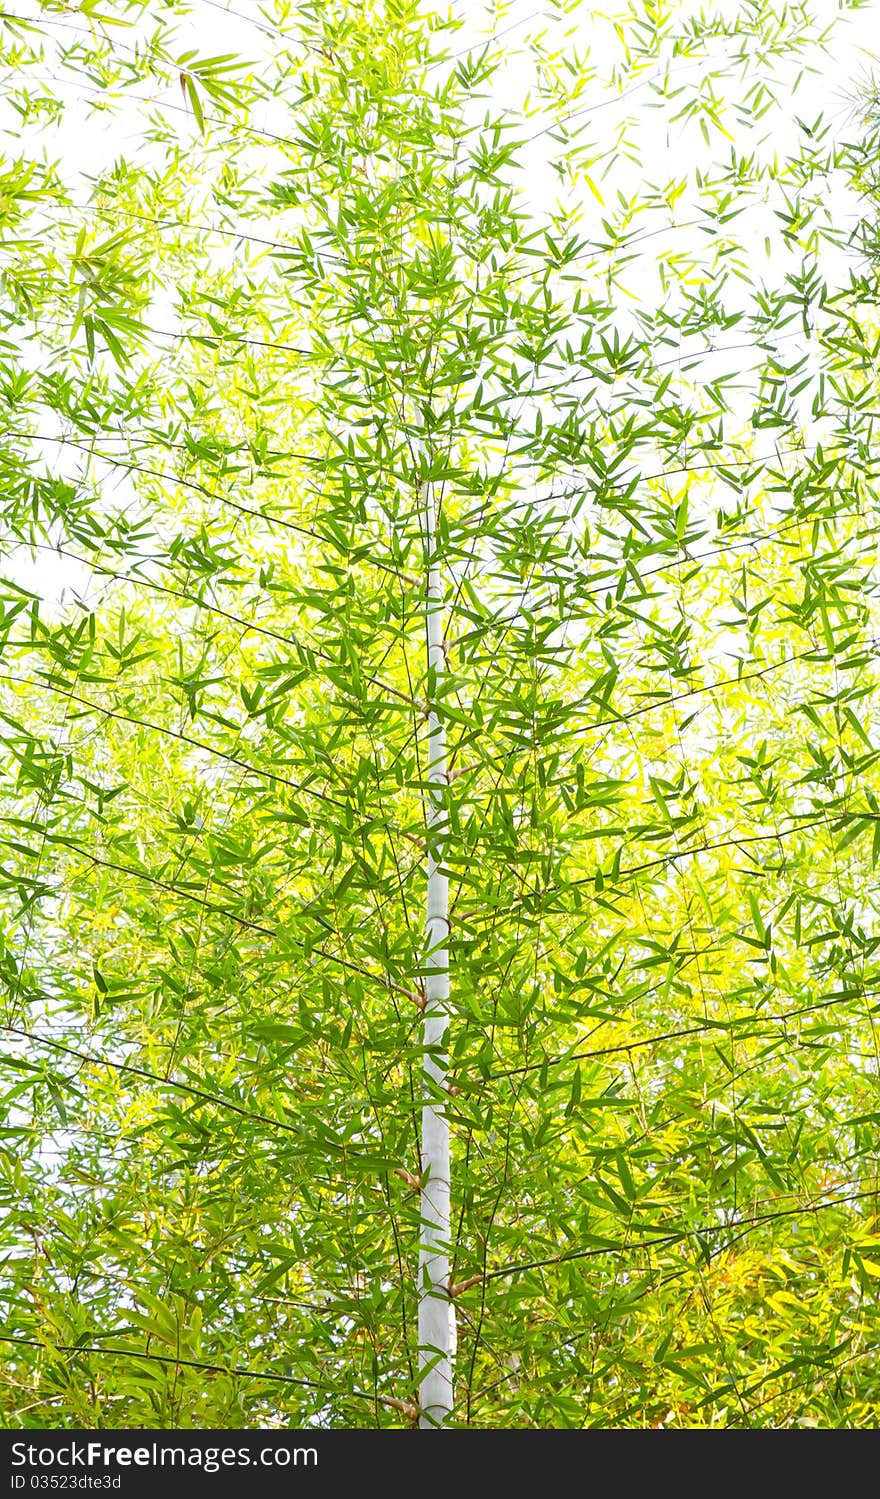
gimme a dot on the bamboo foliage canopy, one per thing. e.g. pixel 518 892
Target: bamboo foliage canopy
pixel 614 307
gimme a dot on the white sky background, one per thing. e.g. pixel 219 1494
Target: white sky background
pixel 89 142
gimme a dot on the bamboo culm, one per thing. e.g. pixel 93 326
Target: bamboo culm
pixel 436 1320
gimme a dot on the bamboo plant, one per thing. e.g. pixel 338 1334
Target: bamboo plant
pixel 439 796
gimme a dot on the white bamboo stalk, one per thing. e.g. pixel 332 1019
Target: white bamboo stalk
pixel 436 1310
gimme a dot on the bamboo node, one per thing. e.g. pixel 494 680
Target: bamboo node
pixel 457 1288
pixel 412 1181
pixel 411 1412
